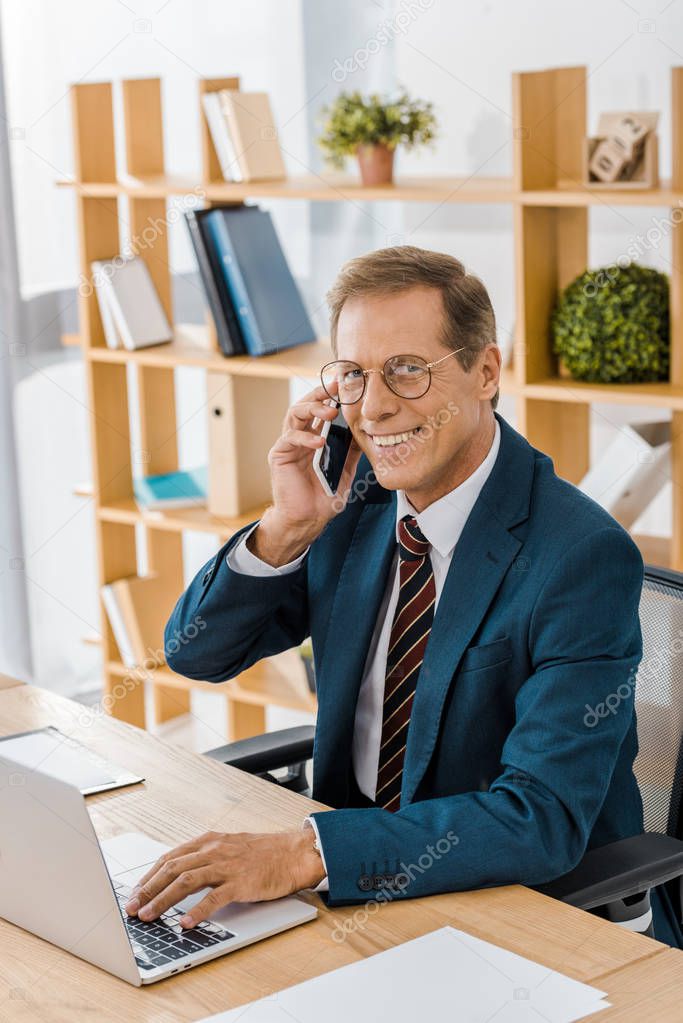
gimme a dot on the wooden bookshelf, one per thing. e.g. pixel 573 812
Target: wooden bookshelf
pixel 325 188
pixel 339 188
pixel 197 520
pixel 551 208
pixel 192 346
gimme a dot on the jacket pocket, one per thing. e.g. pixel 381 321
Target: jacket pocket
pixel 487 654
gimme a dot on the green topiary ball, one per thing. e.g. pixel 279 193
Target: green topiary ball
pixel 612 325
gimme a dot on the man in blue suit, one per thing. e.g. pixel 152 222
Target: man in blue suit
pixel 470 614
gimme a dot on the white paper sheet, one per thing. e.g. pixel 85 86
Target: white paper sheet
pixel 447 974
pixel 50 751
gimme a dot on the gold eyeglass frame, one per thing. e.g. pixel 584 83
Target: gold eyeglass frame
pixel 366 373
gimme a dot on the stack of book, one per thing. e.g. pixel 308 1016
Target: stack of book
pixel 131 311
pixel 252 295
pixel 244 135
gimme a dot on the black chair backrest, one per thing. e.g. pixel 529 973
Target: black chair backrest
pixel 659 701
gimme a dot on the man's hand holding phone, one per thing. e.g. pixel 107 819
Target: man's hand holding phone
pixel 301 508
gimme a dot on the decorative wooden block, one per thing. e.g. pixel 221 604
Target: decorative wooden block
pixel 644 174
pixel 625 151
pixel 630 131
pixel 607 161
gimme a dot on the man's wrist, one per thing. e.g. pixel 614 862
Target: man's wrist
pixel 308 864
pixel 277 543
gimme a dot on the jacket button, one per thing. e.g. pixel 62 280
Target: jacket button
pixel 378 882
pixel 365 882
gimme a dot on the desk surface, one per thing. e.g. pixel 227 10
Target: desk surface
pixel 185 794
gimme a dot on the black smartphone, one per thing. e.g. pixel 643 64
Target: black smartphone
pixel 329 460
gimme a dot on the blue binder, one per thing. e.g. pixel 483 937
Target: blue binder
pixel 267 302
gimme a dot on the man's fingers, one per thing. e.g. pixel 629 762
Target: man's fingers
pixel 291 440
pixel 212 901
pixel 309 412
pixel 161 876
pixel 172 854
pixel 187 883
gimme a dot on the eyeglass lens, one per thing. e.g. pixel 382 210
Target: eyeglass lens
pixel 406 375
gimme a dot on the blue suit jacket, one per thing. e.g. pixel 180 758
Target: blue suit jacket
pixel 522 735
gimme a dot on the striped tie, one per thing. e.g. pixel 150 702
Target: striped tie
pixel 409 634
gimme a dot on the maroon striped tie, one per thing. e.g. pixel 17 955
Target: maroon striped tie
pixel 409 635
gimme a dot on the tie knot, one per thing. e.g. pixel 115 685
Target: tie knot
pixel 413 543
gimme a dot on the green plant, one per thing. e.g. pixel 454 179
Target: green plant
pixel 354 120
pixel 612 325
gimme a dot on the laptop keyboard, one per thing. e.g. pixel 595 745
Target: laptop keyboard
pixel 159 942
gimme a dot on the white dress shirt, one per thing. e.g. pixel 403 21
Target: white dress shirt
pixel 441 523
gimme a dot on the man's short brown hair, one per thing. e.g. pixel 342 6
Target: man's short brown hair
pixel 469 318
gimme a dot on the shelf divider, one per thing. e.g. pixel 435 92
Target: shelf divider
pixel 155 385
pixel 551 248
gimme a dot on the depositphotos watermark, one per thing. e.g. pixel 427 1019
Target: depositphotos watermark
pixel 611 703
pixel 386 31
pixel 141 672
pixel 144 239
pixel 408 872
pixel 638 245
pixel 397 455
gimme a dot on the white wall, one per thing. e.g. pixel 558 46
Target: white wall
pixel 49 46
pixel 463 56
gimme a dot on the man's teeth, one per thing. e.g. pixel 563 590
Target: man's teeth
pixel 390 439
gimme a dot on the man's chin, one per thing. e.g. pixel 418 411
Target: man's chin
pixel 394 477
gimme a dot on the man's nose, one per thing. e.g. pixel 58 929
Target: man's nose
pixel 378 400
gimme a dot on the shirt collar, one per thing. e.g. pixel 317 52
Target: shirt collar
pixel 443 521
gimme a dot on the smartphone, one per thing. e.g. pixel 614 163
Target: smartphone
pixel 329 460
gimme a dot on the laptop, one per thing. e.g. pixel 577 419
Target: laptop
pixel 60 882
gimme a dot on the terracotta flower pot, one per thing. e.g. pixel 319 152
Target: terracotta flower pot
pixel 376 164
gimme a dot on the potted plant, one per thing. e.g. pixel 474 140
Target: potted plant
pixel 371 127
pixel 611 325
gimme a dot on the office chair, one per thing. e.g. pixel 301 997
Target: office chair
pixel 613 881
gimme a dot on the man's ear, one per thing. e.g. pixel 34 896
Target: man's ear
pixel 490 369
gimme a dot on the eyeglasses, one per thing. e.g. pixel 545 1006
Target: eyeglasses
pixel 408 376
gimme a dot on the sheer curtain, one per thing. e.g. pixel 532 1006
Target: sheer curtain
pixel 15 654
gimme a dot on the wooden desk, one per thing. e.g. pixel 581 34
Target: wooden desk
pixel 185 794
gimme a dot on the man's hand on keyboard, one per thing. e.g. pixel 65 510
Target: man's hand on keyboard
pixel 238 868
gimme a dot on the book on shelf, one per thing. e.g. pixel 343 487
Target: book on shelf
pixel 111 334
pixel 227 326
pixel 244 135
pixel 261 288
pixel 220 136
pixel 138 608
pixel 131 311
pixel 185 488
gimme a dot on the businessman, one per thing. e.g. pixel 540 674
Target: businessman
pixel 468 610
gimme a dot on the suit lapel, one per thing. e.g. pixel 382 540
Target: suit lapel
pixel 481 558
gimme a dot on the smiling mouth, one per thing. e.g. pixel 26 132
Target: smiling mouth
pixel 390 440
